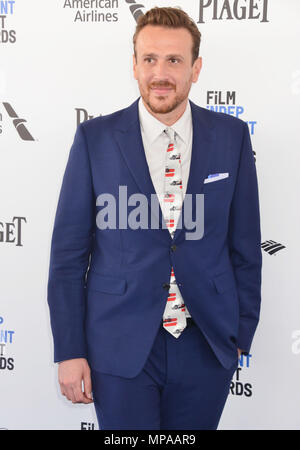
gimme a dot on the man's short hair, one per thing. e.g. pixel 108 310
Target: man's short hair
pixel 170 18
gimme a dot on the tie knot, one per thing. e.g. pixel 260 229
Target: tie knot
pixel 170 133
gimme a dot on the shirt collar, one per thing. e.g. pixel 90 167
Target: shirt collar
pixel 153 127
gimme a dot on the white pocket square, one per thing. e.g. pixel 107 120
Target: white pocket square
pixel 215 177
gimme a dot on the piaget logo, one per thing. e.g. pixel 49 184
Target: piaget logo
pixel 233 10
pixel 82 115
pixel 11 232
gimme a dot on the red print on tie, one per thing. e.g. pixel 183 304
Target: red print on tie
pixel 174 317
pixel 169 197
pixel 170 172
pixel 172 297
pixel 170 223
pixel 170 322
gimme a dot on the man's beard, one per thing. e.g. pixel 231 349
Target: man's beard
pixel 164 109
pixel 166 106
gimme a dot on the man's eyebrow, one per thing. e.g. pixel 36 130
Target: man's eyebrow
pixel 154 55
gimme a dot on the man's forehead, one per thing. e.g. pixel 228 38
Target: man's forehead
pixel 157 33
pixel 152 39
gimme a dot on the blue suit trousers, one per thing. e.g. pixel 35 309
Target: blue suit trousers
pixel 182 386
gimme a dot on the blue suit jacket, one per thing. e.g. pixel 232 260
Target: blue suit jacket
pixel 106 287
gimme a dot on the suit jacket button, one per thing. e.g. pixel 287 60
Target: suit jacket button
pixel 166 286
pixel 173 248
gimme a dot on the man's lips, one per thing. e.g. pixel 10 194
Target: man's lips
pixel 161 89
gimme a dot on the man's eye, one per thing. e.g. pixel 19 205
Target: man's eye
pixel 173 59
pixel 147 59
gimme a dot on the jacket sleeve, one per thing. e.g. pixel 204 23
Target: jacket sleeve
pixel 245 244
pixel 70 250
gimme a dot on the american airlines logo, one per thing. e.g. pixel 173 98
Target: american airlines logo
pixel 135 9
pixel 18 123
pixel 272 247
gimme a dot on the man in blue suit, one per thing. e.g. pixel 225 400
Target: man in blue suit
pixel 152 319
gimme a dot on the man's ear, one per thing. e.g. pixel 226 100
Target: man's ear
pixel 197 66
pixel 134 66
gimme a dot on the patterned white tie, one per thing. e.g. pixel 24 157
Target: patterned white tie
pixel 174 316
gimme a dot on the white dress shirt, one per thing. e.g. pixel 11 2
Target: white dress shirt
pixel 155 143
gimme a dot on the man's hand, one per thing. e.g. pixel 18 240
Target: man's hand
pixel 71 373
pixel 239 352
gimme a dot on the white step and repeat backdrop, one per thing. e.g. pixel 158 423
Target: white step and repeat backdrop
pixel 63 62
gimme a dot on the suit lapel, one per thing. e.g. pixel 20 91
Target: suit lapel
pixel 130 142
pixel 129 139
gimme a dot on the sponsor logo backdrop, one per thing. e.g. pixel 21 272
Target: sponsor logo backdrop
pixel 66 61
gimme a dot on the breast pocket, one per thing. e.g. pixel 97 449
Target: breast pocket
pixel 219 184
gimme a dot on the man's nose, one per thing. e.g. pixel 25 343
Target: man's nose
pixel 160 70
